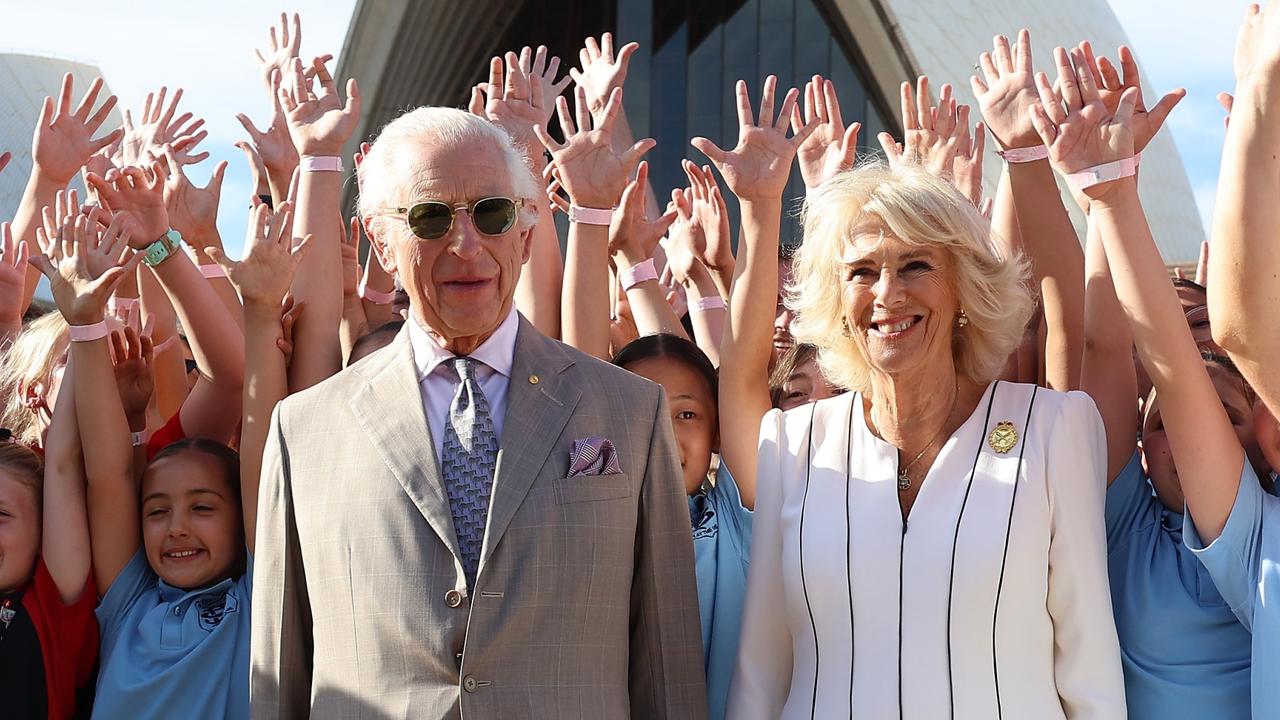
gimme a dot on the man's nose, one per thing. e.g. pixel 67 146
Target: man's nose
pixel 464 239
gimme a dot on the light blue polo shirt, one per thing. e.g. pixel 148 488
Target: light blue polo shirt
pixel 1185 655
pixel 171 653
pixel 1245 563
pixel 721 553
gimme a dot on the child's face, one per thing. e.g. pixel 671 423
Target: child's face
pixel 1156 454
pixel 693 415
pixel 192 525
pixel 19 531
pixel 805 385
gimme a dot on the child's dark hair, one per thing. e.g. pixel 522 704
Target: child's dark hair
pixel 1189 284
pixel 790 361
pixel 374 340
pixel 1226 363
pixel 673 347
pixel 227 458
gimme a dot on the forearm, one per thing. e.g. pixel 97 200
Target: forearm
pixel 40 192
pixel 708 325
pixel 1204 444
pixel 585 294
pixel 266 384
pixel 1058 266
pixel 318 281
pixel 538 292
pixel 376 278
pixel 648 301
pixel 354 326
pixel 1004 219
pixel 65 543
pixel 1244 264
pixel 1106 371
pixel 222 287
pixel 216 341
pixel 278 180
pixel 744 369
pixel 170 369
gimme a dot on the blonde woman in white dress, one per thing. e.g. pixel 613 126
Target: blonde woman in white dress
pixel 931 544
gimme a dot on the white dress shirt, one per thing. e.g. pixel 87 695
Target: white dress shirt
pixel 438 382
pixel 991 601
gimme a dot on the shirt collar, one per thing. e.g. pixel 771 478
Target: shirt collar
pixel 497 352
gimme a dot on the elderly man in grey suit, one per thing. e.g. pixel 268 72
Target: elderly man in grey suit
pixel 476 521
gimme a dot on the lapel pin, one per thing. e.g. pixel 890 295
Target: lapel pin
pixel 533 379
pixel 1003 438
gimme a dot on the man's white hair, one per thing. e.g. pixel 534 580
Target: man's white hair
pixel 448 126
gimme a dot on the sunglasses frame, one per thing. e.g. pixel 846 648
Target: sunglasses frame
pixel 403 214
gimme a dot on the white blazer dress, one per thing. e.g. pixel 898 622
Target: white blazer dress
pixel 991 601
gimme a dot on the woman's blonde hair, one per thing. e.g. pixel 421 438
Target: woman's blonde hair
pixel 32 358
pixel 921 210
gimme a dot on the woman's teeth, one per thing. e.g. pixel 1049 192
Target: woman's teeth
pixel 895 327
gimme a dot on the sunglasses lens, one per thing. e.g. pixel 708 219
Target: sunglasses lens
pixel 430 220
pixel 494 216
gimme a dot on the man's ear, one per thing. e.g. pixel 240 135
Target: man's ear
pixel 378 242
pixel 1267 430
pixel 529 210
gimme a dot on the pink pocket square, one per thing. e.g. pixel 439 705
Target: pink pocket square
pixel 593 456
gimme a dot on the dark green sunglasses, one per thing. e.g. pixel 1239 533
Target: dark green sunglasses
pixel 432 219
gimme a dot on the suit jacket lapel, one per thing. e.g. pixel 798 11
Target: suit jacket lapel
pixel 540 401
pixel 389 408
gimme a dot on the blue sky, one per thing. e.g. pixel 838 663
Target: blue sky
pixel 206 47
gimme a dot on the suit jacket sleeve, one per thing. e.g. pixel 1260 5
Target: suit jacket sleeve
pixel 280 681
pixel 1086 657
pixel 666 674
pixel 762 675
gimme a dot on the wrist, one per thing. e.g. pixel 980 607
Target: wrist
pixel 138 421
pixel 257 308
pixel 627 256
pixel 1112 196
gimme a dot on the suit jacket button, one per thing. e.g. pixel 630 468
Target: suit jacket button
pixel 469 684
pixel 453 598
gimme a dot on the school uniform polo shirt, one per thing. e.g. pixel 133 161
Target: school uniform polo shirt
pixel 1184 652
pixel 1245 564
pixel 721 554
pixel 172 653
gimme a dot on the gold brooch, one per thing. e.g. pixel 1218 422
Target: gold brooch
pixel 1003 438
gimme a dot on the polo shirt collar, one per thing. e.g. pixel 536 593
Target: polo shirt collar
pixel 497 352
pixel 173 595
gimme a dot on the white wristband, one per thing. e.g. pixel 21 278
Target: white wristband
pixel 1100 174
pixel 637 274
pixel 704 304
pixel 320 163
pixel 590 216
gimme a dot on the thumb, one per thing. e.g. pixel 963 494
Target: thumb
pixel 711 150
pixel 215 254
pixel 215 182
pixel 1166 105
pixel 632 156
pixel 43 264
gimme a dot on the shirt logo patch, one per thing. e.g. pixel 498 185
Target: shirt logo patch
pixel 211 609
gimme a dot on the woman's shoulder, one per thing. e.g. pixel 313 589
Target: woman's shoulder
pixel 812 423
pixel 1045 405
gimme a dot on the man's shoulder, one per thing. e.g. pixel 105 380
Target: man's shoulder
pixel 340 386
pixel 605 381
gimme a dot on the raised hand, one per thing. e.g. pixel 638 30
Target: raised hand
pixel 64 140
pixel 601 70
pixel 708 222
pixel 193 211
pixel 137 195
pixel 515 101
pixel 591 172
pixel 633 235
pixel 319 122
pixel 104 246
pixel 1006 91
pixel 933 135
pixel 1258 43
pixel 1079 131
pixel 966 169
pixel 1111 86
pixel 13 273
pixel 264 275
pixel 144 141
pixel 543 72
pixel 132 354
pixel 81 298
pixel 274 145
pixel 757 168
pixel 831 147
pixel 282 50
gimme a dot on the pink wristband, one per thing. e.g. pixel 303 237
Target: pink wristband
pixel 166 344
pixel 320 163
pixel 590 216
pixel 377 297
pixel 212 271
pixel 1024 155
pixel 1100 174
pixel 88 333
pixel 637 274
pixel 715 302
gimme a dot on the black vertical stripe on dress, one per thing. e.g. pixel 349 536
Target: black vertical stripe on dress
pixel 995 613
pixel 804 587
pixel 955 539
pixel 848 545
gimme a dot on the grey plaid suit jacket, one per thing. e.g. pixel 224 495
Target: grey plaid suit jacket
pixel 584 606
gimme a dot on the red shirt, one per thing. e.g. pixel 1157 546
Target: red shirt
pixel 168 434
pixel 68 637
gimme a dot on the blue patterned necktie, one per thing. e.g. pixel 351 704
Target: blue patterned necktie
pixel 469 456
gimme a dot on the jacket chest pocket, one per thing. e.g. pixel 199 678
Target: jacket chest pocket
pixel 591 488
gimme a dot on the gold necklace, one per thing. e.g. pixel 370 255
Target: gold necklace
pixel 904 480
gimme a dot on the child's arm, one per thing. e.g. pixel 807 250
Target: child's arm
pixel 64 546
pixel 1205 448
pixel 633 239
pixel 113 509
